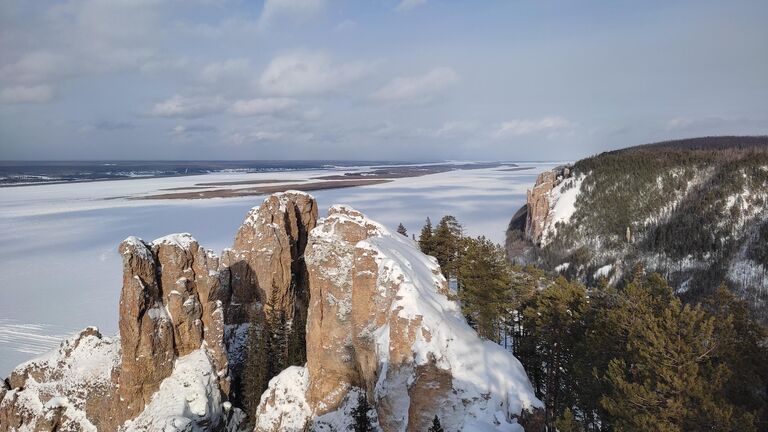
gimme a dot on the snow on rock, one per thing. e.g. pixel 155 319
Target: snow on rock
pixel 562 201
pixel 53 390
pixel 342 418
pixel 180 240
pixel 283 406
pixel 188 400
pixel 380 320
pixel 603 271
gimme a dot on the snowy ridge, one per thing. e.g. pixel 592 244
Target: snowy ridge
pixel 480 369
pixel 180 240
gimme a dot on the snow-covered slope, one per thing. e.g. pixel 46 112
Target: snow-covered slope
pixel 562 205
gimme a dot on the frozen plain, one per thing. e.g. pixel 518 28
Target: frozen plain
pixel 59 266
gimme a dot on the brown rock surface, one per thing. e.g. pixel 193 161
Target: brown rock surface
pixel 265 257
pixel 538 205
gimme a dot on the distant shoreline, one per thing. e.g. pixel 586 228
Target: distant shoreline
pixel 374 176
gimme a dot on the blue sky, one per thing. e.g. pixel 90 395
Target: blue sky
pixel 376 79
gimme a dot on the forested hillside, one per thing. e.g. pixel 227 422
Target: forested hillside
pixel 695 211
pixel 631 357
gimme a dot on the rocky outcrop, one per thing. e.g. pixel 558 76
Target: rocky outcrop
pixel 538 203
pixel 380 321
pixel 53 392
pixel 168 309
pixel 265 261
pixel 172 367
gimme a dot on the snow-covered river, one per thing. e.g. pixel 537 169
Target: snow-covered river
pixel 59 266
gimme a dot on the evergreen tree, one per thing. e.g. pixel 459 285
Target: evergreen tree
pixel 425 238
pixel 446 244
pixel 259 366
pixel 436 426
pixel 556 317
pixel 485 294
pixel 741 346
pixel 567 423
pixel 667 380
pixel 297 340
pixel 278 335
pixel 402 230
pixel 362 423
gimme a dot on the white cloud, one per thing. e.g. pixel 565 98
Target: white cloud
pixel 229 69
pixel 406 5
pixel 27 94
pixel 454 128
pixel 297 10
pixel 187 107
pixel 262 106
pixel 309 73
pixel 249 137
pixel 420 88
pixel 345 26
pixel 518 127
pixel 188 129
pixel 34 67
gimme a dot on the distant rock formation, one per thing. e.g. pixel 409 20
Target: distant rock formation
pixel 381 322
pixel 538 202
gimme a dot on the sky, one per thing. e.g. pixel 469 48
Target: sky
pixel 374 79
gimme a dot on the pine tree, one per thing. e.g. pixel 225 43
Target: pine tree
pixel 667 379
pixel 362 423
pixel 556 317
pixel 485 294
pixel 297 341
pixel 425 238
pixel 741 347
pixel 446 244
pixel 567 423
pixel 402 230
pixel 258 363
pixel 280 334
pixel 436 426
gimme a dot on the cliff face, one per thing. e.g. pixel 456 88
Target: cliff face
pixel 264 261
pixel 380 323
pixel 540 200
pixel 695 211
